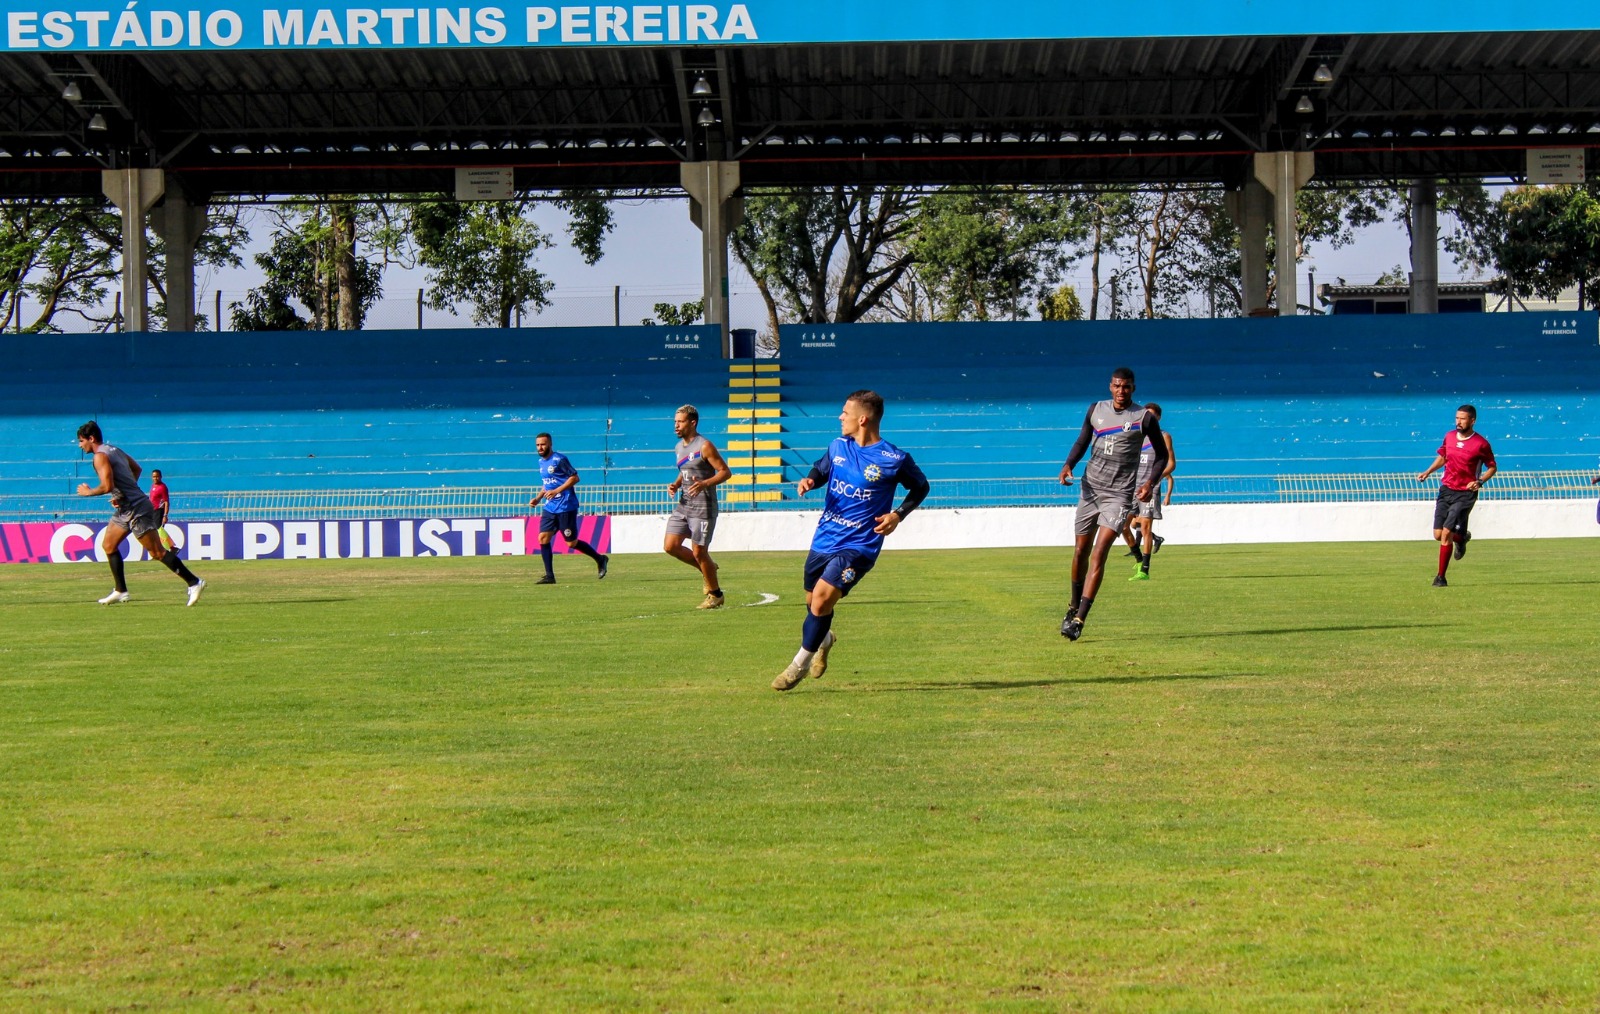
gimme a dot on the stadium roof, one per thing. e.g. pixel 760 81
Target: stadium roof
pixel 1039 111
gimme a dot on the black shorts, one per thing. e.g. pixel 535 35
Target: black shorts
pixel 565 522
pixel 1451 509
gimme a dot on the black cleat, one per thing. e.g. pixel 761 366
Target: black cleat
pixel 547 579
pixel 1157 549
pixel 1461 544
pixel 602 564
pixel 1440 582
pixel 1131 552
pixel 1071 627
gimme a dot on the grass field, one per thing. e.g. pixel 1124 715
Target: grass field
pixel 1273 778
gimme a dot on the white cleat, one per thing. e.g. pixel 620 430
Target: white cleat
pixel 113 598
pixel 195 590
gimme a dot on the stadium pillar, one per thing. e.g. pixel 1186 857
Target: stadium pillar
pixel 179 224
pixel 1283 173
pixel 713 207
pixel 1424 247
pixel 134 191
pixel 1248 208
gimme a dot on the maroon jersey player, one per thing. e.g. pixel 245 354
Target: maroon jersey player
pixel 1468 463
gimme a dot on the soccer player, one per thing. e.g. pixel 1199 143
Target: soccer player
pixel 1147 512
pixel 861 471
pixel 557 477
pixel 700 471
pixel 1116 430
pixel 161 500
pixel 132 512
pixel 1468 463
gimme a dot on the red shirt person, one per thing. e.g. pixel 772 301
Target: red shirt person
pixel 159 497
pixel 1468 463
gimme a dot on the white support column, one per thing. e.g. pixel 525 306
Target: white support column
pixel 1424 247
pixel 134 191
pixel 1249 209
pixel 1283 173
pixel 714 208
pixel 180 224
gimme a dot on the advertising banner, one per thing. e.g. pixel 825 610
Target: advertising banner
pixel 72 542
pixel 41 26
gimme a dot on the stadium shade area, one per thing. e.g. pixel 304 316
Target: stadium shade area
pixel 391 422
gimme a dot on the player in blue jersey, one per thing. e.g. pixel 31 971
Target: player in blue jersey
pixel 557 477
pixel 860 471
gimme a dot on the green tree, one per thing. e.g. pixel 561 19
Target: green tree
pixel 676 315
pixel 304 266
pixel 57 257
pixel 483 254
pixel 1061 304
pixel 1550 240
pixel 821 254
pixel 984 254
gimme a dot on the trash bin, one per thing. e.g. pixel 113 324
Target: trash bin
pixel 744 342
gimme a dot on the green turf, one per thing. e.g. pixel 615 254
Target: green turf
pixel 1272 778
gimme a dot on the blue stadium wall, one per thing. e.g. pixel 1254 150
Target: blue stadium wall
pixel 1241 397
pixel 411 409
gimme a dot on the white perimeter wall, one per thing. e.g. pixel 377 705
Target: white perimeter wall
pixel 1191 524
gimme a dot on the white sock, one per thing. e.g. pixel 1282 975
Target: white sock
pixel 802 658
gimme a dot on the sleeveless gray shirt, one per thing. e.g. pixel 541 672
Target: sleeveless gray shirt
pixel 125 487
pixel 692 466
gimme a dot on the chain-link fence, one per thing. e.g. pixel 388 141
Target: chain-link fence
pixel 512 501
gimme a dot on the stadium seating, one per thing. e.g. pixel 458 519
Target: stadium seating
pixel 430 409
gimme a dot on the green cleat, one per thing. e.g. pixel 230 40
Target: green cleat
pixel 1140 575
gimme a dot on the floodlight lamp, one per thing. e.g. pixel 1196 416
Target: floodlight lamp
pixel 1304 106
pixel 97 122
pixel 702 88
pixel 1323 74
pixel 72 93
pixel 706 117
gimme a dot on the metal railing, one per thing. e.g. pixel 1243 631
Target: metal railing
pixel 512 501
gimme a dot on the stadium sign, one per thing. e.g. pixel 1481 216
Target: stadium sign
pixel 34 26
pixel 68 542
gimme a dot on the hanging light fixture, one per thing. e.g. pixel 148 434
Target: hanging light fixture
pixel 702 88
pixel 706 117
pixel 1323 74
pixel 72 93
pixel 97 122
pixel 1304 106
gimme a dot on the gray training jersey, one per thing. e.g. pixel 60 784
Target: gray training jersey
pixel 1118 437
pixel 1147 464
pixel 692 467
pixel 125 488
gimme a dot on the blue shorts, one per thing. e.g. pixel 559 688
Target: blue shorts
pixel 844 569
pixel 565 522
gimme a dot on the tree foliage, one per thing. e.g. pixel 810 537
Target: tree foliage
pixel 824 254
pixel 1549 240
pixel 985 254
pixel 1061 304
pixel 483 254
pixel 676 314
pixel 327 255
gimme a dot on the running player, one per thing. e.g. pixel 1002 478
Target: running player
pixel 861 471
pixel 1146 513
pixel 700 471
pixel 1116 429
pixel 132 513
pixel 1468 463
pixel 557 477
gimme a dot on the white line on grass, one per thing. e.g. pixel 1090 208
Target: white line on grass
pixel 767 599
